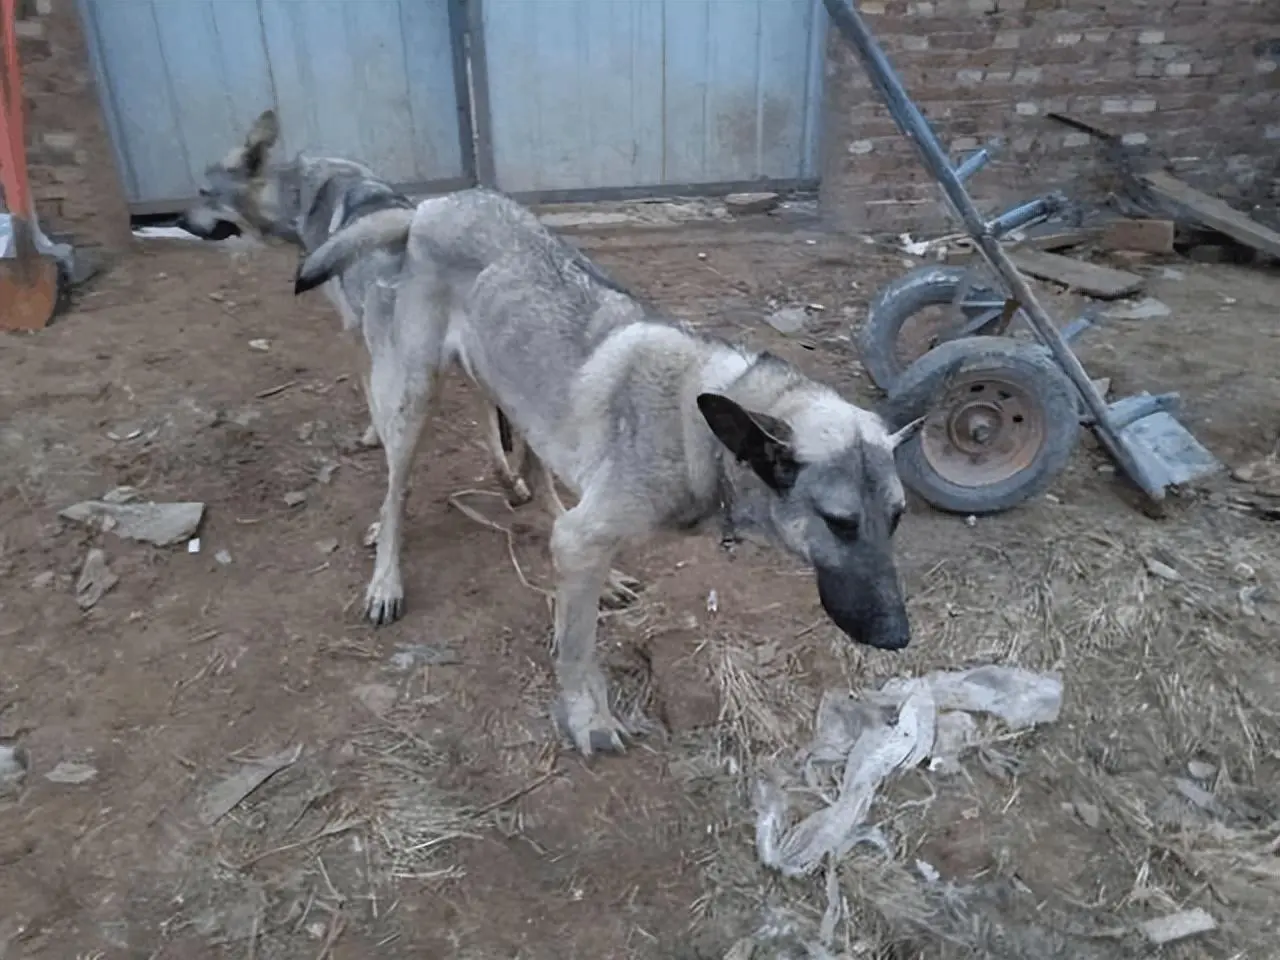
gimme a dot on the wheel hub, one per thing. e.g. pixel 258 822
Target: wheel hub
pixel 986 430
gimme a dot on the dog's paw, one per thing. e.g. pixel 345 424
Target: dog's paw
pixel 620 590
pixel 591 730
pixel 369 440
pixel 517 492
pixel 384 600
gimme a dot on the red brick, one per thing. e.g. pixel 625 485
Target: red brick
pixel 76 189
pixel 1213 112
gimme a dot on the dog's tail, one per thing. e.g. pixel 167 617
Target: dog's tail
pixel 383 229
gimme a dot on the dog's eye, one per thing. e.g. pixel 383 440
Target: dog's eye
pixel 845 528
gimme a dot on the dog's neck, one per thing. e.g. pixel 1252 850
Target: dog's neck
pixel 283 223
pixel 725 500
pixel 323 200
pixel 741 501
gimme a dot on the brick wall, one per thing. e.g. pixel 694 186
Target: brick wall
pixel 72 166
pixel 1196 82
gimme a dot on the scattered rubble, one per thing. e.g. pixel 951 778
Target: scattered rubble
pixel 377 698
pixel 1148 308
pixel 744 203
pixel 74 774
pixel 1162 570
pixel 14 764
pixel 409 656
pixel 161 524
pixel 228 793
pixel 788 320
pixel 1178 926
pixel 95 580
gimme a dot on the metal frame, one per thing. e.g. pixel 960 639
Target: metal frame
pixel 478 87
pixel 458 40
pixel 1108 421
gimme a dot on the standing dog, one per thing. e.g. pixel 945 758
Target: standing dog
pixel 303 202
pixel 651 425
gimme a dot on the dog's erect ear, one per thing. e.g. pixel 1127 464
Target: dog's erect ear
pixel 262 137
pixel 762 442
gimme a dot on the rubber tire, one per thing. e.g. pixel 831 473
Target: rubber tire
pixel 1028 363
pixel 894 305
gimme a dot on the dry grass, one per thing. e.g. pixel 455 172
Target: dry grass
pixel 416 822
pixel 1161 671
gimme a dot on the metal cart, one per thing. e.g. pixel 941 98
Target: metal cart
pixel 1009 411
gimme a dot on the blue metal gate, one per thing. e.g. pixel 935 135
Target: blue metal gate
pixel 585 95
pixel 374 80
pixel 568 98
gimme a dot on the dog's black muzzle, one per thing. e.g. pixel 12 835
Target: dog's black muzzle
pixel 869 611
pixel 218 230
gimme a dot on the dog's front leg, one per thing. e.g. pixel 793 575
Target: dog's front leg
pixel 619 589
pixel 582 550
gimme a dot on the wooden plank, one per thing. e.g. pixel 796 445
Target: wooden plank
pixel 1059 239
pixel 1213 213
pixel 1102 282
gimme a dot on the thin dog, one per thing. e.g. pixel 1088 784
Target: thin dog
pixel 653 426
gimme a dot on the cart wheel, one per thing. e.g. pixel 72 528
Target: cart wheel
pixel 1005 427
pixel 906 318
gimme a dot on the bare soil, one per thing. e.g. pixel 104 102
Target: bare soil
pixel 433 813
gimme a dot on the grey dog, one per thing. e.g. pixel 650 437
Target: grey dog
pixel 653 426
pixel 302 202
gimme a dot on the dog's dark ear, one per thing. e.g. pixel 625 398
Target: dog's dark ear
pixel 762 442
pixel 262 137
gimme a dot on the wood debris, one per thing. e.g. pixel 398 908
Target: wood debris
pixel 1212 212
pixel 1104 283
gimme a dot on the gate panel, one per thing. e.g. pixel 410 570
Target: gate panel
pixel 604 94
pixel 182 80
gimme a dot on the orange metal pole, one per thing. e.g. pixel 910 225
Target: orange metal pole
pixel 13 141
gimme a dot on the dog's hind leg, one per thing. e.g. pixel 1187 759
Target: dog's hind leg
pixel 513 483
pixel 583 546
pixel 619 589
pixel 401 397
pixel 402 380
pixel 370 436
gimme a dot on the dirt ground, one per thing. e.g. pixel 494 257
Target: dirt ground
pixel 432 813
